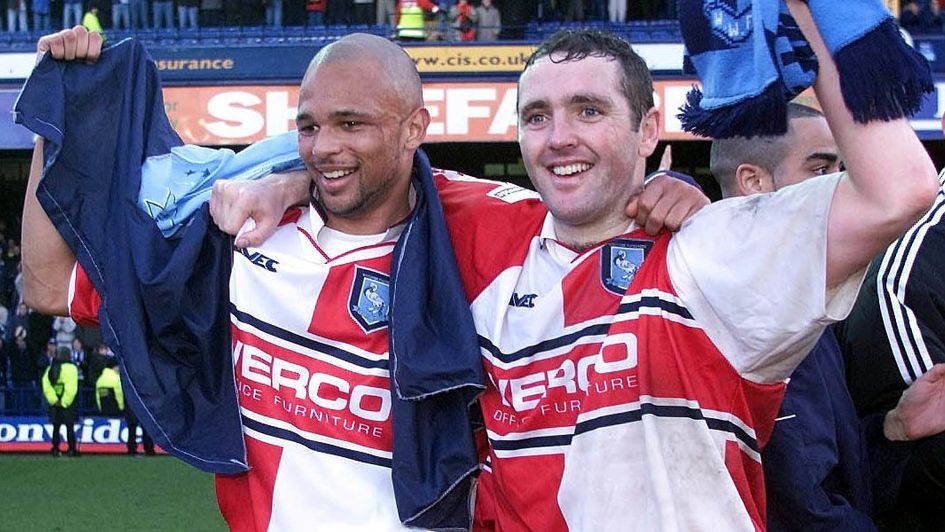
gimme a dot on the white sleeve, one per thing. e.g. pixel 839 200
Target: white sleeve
pixel 752 271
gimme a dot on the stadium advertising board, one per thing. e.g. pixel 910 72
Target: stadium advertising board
pixel 93 434
pixel 461 112
pixel 493 59
pixel 254 64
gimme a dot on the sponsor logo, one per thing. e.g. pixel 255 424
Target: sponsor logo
pixel 323 390
pixel 619 262
pixel 525 300
pixel 90 430
pixel 369 301
pixel 258 259
pixel 618 354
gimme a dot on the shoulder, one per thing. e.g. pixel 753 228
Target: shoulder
pixel 488 208
pixel 461 193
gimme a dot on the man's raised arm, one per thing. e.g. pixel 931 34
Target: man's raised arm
pixel 47 260
pixel 891 180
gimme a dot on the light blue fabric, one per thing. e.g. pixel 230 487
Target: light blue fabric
pixel 177 184
pixel 752 59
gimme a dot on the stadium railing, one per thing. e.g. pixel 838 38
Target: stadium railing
pixel 27 400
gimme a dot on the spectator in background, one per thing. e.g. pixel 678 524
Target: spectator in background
pixel 18 284
pixel 71 13
pixel 489 22
pixel 188 12
pixel 385 12
pixel 574 10
pixel 49 354
pixel 917 19
pixel 617 10
pixel 20 318
pixel 11 265
pixel 364 12
pixel 339 12
pixel 273 12
pixel 110 400
pixel 647 9
pixel 211 13
pixel 23 369
pixel 77 356
pixel 121 14
pixel 64 330
pixel 411 19
pixel 245 12
pixel 16 15
pixel 41 20
pixel 130 419
pixel 108 394
pixel 163 11
pixel 139 14
pixel 91 21
pixel 4 322
pixel 60 388
pixel 97 360
pixel 316 12
pixel 462 19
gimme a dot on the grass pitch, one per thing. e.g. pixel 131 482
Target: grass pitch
pixel 105 492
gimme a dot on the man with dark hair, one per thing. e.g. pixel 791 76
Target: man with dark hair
pixel 644 405
pixel 745 166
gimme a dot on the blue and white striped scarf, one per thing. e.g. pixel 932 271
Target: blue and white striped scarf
pixel 752 59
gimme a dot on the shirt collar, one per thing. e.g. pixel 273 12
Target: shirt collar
pixel 548 236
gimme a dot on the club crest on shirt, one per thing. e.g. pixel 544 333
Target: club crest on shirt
pixel 369 301
pixel 619 262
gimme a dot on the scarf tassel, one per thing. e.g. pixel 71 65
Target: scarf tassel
pixel 764 114
pixel 890 84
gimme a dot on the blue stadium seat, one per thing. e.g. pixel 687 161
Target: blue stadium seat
pixel 211 36
pixel 381 30
pixel 231 35
pixel 338 31
pixel 253 34
pixel 188 36
pixel 296 33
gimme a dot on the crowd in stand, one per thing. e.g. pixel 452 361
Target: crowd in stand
pixel 462 16
pixel 922 16
pixel 29 340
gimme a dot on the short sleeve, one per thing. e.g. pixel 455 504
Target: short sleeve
pixel 752 271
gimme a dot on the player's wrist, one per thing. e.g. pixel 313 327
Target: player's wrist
pixel 893 426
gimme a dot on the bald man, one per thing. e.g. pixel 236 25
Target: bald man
pixel 309 307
